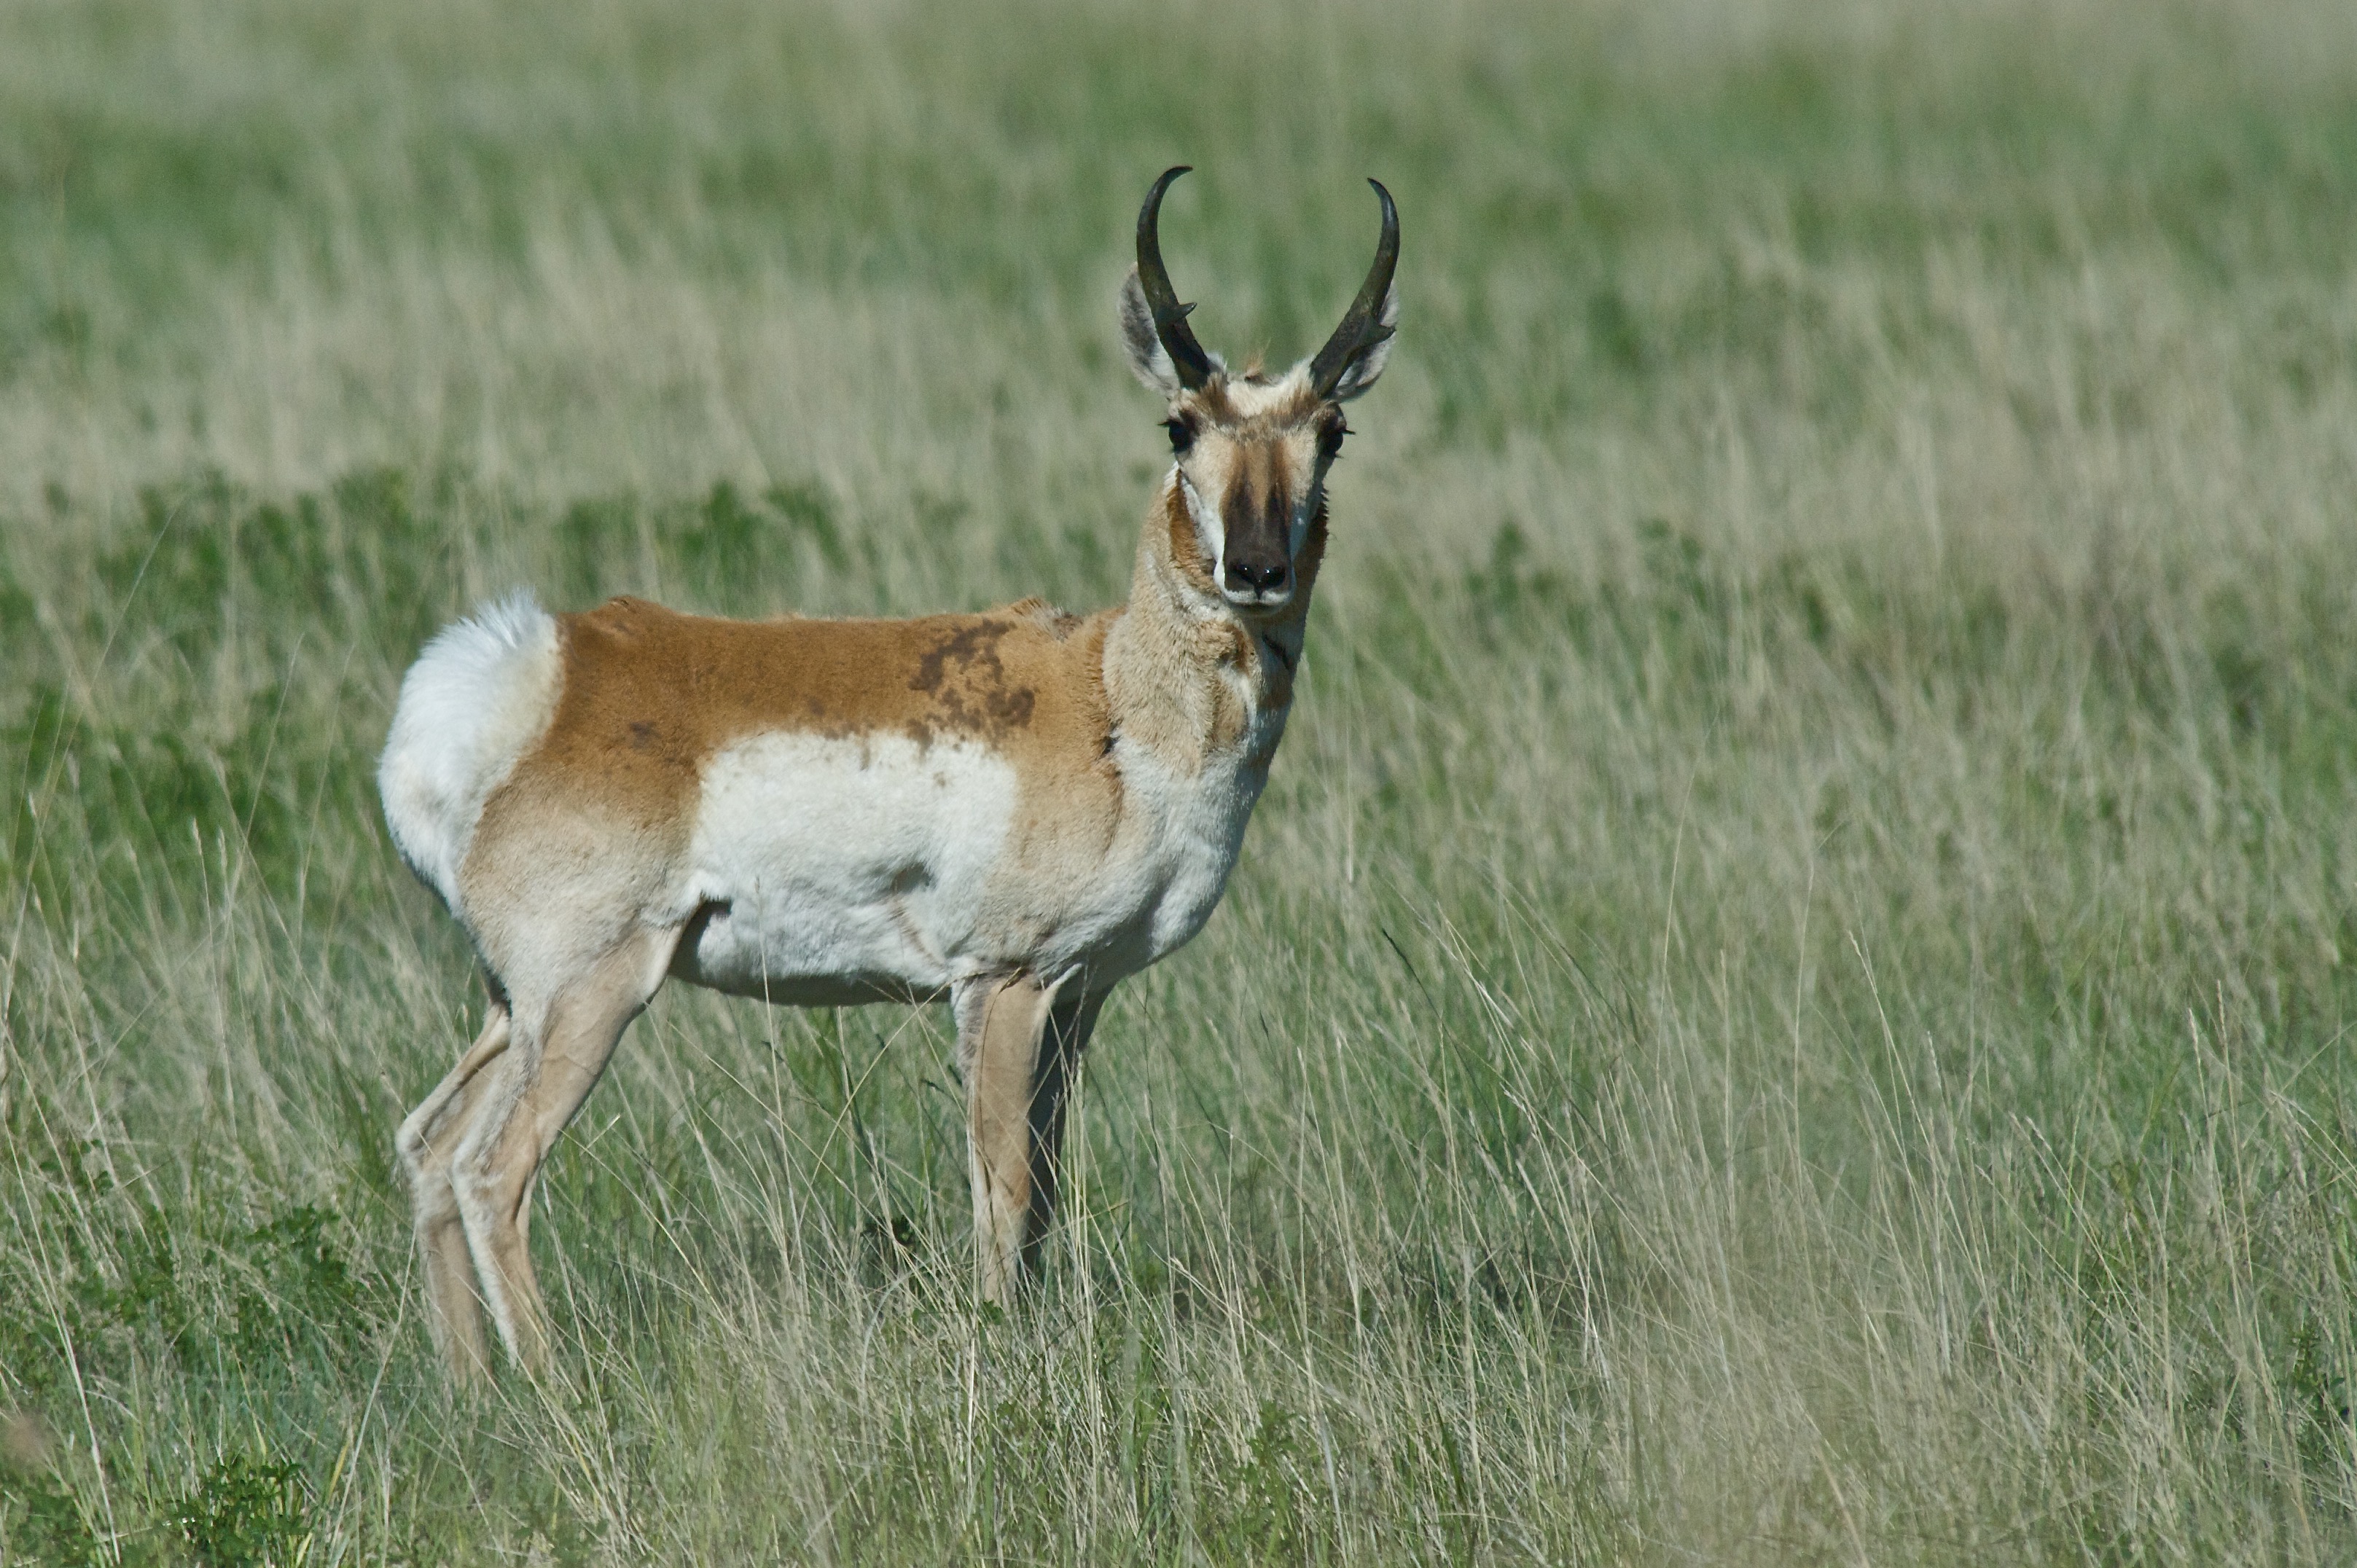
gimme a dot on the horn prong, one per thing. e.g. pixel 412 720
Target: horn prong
pixel 1362 327
pixel 1187 357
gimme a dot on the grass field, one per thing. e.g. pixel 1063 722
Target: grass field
pixel 1788 1000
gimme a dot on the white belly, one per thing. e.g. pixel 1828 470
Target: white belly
pixel 828 873
pixel 842 871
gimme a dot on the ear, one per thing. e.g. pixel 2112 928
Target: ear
pixel 1360 373
pixel 1147 358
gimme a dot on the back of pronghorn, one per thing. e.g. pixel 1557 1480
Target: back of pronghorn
pixel 1011 810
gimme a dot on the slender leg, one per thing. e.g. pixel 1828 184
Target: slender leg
pixel 517 1120
pixel 1070 1022
pixel 1017 1042
pixel 427 1139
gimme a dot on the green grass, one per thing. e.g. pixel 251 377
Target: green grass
pixel 1788 1000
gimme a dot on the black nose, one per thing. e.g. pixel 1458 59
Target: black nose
pixel 1257 577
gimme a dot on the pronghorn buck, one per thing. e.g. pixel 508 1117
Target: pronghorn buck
pixel 1011 810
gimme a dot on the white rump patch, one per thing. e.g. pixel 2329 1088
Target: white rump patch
pixel 483 691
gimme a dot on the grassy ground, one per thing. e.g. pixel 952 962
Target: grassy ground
pixel 1788 1000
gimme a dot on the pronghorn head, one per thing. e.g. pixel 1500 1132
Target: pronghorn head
pixel 1251 449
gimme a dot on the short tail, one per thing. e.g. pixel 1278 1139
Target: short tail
pixel 475 700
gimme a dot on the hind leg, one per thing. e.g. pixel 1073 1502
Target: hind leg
pixel 537 1089
pixel 427 1137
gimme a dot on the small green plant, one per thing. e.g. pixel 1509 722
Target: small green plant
pixel 42 1524
pixel 245 1511
pixel 1270 1491
pixel 300 1289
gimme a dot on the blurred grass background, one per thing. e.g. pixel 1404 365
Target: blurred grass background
pixel 1788 1000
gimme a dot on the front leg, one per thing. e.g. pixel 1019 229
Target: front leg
pixel 1019 1039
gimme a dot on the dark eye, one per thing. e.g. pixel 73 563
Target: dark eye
pixel 1329 440
pixel 1183 434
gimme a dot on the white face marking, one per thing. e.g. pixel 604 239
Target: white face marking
pixel 1210 527
pixel 1209 476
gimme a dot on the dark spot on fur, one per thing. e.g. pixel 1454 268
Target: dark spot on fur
pixel 974 647
pixel 1059 624
pixel 1011 709
pixel 968 682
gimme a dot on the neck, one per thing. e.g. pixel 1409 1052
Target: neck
pixel 1185 673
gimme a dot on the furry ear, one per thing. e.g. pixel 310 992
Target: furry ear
pixel 1142 346
pixel 1360 372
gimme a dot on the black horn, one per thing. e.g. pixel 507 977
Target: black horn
pixel 1186 356
pixel 1363 327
